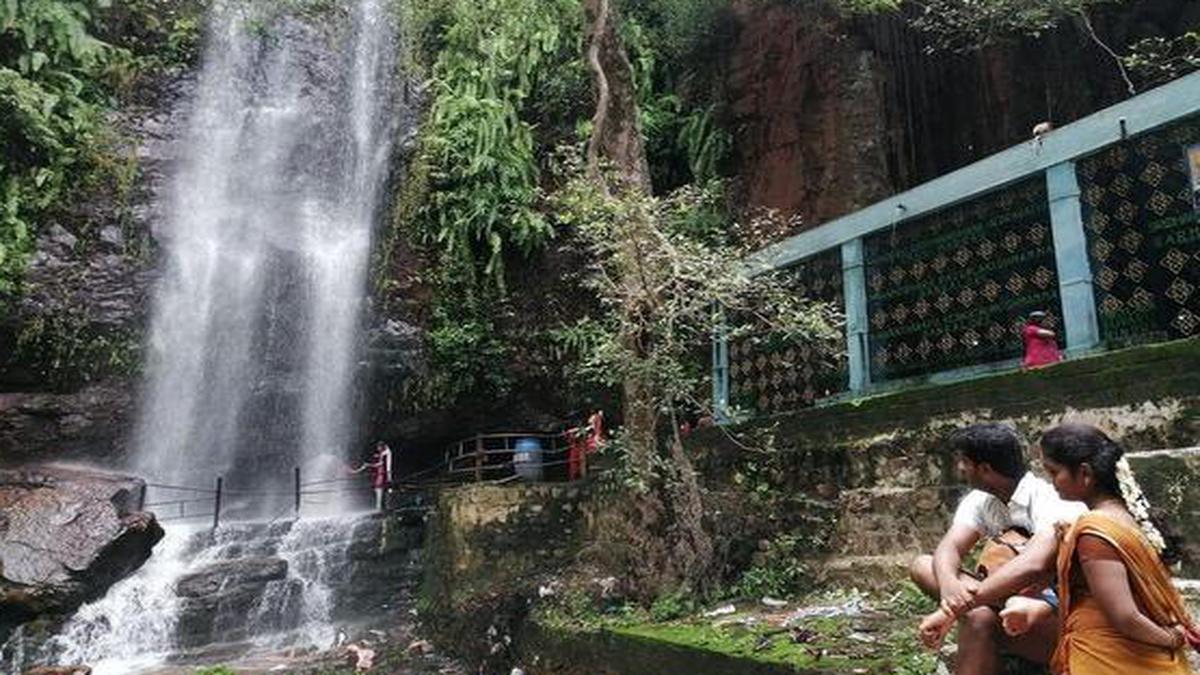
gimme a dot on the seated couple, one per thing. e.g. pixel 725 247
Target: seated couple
pixel 1088 593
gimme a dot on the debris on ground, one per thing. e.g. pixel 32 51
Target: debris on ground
pixel 721 611
pixel 364 657
pixel 421 647
pixel 855 606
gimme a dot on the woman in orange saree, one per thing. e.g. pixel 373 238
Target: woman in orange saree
pixel 1120 612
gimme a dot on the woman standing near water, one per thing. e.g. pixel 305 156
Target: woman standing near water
pixel 1120 612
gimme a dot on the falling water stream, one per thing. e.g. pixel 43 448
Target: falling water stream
pixel 256 328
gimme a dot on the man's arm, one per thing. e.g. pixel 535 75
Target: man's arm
pixel 1033 567
pixel 947 560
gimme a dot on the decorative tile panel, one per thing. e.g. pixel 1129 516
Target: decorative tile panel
pixel 952 289
pixel 1144 236
pixel 769 374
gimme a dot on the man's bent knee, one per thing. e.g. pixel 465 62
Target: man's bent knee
pixel 921 573
pixel 980 620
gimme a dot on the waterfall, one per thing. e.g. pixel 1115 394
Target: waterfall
pixel 256 329
pixel 255 342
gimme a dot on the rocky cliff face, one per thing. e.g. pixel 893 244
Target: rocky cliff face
pixel 806 101
pixel 70 344
pixel 831 114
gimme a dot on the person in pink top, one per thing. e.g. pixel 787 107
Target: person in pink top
pixel 1041 347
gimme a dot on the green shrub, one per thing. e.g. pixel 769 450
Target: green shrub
pixel 216 670
pixel 672 606
pixel 776 571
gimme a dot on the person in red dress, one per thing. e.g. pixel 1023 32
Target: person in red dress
pixel 381 472
pixel 1041 346
pixel 583 441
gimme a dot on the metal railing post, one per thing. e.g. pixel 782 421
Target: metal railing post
pixel 478 458
pixel 297 474
pixel 217 504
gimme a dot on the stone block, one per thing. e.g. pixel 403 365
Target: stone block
pixel 882 521
pixel 1170 480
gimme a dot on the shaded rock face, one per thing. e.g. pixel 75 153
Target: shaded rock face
pixel 85 299
pixel 832 114
pixel 805 101
pixel 66 535
pixel 89 423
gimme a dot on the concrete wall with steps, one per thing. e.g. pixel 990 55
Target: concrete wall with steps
pixel 882 466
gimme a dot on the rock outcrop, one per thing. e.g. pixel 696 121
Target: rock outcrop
pixel 831 113
pixel 66 535
pixel 70 343
pixel 91 422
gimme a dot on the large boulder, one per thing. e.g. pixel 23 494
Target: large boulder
pixel 66 535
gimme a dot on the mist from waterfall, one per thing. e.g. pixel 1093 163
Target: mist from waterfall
pixel 256 327
pixel 256 332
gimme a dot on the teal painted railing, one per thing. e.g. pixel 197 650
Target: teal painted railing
pixel 1079 249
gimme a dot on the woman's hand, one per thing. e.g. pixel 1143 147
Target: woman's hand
pixel 1191 635
pixel 934 627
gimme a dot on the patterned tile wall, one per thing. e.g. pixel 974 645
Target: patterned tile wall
pixel 768 374
pixel 1144 236
pixel 952 289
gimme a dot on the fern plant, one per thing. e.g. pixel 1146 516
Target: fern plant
pixel 483 172
pixel 51 68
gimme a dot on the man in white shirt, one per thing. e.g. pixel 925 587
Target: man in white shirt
pixel 1005 496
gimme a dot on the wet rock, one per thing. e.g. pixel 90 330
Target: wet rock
pixel 58 236
pixel 232 573
pixel 66 535
pixel 397 347
pixel 60 670
pixel 221 602
pixel 112 236
pixel 90 423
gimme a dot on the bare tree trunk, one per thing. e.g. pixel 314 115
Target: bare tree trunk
pixel 616 138
pixel 671 514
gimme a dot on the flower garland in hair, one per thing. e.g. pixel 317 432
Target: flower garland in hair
pixel 1136 502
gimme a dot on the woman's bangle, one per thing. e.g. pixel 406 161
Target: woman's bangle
pixel 1178 638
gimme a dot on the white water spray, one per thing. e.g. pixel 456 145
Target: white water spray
pixel 256 330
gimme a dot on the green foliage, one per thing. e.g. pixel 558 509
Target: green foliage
pixel 216 670
pixel 468 355
pixel 65 351
pixel 776 572
pixel 1156 60
pixel 965 25
pixel 707 144
pixel 51 75
pixel 684 141
pixel 673 605
pixel 161 35
pixel 662 265
pixel 908 600
pixel 484 178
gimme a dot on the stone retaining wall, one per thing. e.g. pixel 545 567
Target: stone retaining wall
pixel 882 466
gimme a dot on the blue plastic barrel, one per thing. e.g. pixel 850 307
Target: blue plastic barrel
pixel 527 459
